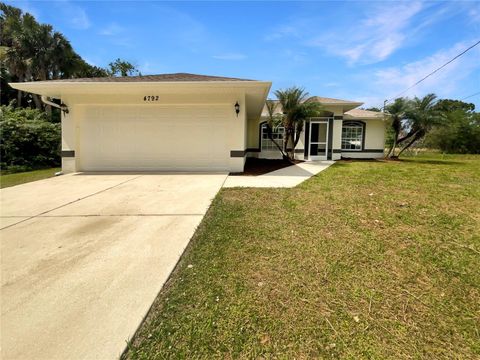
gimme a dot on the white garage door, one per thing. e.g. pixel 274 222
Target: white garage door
pixel 183 138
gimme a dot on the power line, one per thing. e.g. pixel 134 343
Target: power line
pixel 433 72
pixel 469 96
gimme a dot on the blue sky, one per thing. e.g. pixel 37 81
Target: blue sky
pixel 366 51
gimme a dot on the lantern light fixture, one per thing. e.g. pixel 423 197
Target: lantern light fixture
pixel 237 108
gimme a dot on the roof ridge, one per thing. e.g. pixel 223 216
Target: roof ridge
pixel 169 77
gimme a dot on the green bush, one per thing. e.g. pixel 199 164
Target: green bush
pixel 28 140
pixel 460 134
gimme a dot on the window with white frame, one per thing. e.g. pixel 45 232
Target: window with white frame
pixel 352 135
pixel 267 144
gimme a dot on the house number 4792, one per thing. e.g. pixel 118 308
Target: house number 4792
pixel 151 98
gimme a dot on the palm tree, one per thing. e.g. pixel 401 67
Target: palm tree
pixel 421 116
pixel 297 107
pixel 11 23
pixel 397 111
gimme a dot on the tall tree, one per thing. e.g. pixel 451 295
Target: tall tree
pixel 448 105
pixel 296 107
pixel 460 132
pixel 397 111
pixel 421 116
pixel 31 51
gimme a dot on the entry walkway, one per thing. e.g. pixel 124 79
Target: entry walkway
pixel 283 178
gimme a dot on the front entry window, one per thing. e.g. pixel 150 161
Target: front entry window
pixel 352 135
pixel 277 134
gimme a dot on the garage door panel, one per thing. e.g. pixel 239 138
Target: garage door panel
pixel 154 138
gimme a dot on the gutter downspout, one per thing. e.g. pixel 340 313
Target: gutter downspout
pixel 62 107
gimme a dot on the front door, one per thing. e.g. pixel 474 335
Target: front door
pixel 318 140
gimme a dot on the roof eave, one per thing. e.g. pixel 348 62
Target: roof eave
pixel 123 83
pixel 343 103
pixel 56 89
pixel 352 117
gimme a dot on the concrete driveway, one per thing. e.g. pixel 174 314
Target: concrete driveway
pixel 83 256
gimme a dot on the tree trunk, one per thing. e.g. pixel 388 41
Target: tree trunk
pixel 415 138
pixel 412 132
pixel 38 101
pixel 19 98
pixel 389 152
pixel 291 153
pixel 269 133
pixel 394 145
pixel 297 135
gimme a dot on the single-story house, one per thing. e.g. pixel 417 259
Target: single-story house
pixel 187 122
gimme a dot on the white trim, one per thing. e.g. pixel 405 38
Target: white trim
pixel 317 157
pixel 356 126
pixel 362 155
pixel 274 131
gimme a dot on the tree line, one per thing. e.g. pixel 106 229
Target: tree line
pixel 30 132
pixel 31 51
pixel 448 125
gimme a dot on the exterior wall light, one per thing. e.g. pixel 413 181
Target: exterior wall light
pixel 237 108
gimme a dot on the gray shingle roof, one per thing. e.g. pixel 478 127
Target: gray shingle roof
pixel 176 77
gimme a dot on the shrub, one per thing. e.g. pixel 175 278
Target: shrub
pixel 460 134
pixel 28 139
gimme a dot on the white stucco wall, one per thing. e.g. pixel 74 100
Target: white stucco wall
pixel 238 139
pixel 68 140
pixel 159 118
pixel 375 134
pixel 253 126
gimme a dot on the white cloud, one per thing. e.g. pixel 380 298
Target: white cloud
pixel 444 82
pixel 283 31
pixel 230 56
pixel 376 36
pixel 447 82
pixel 474 14
pixel 294 56
pixel 374 33
pixel 458 78
pixel 182 28
pixel 111 30
pixel 74 15
pixel 332 84
pixel 148 67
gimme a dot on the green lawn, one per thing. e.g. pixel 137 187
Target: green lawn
pixel 7 180
pixel 365 260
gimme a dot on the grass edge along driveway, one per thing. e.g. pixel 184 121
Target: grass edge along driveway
pixel 7 180
pixel 365 260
